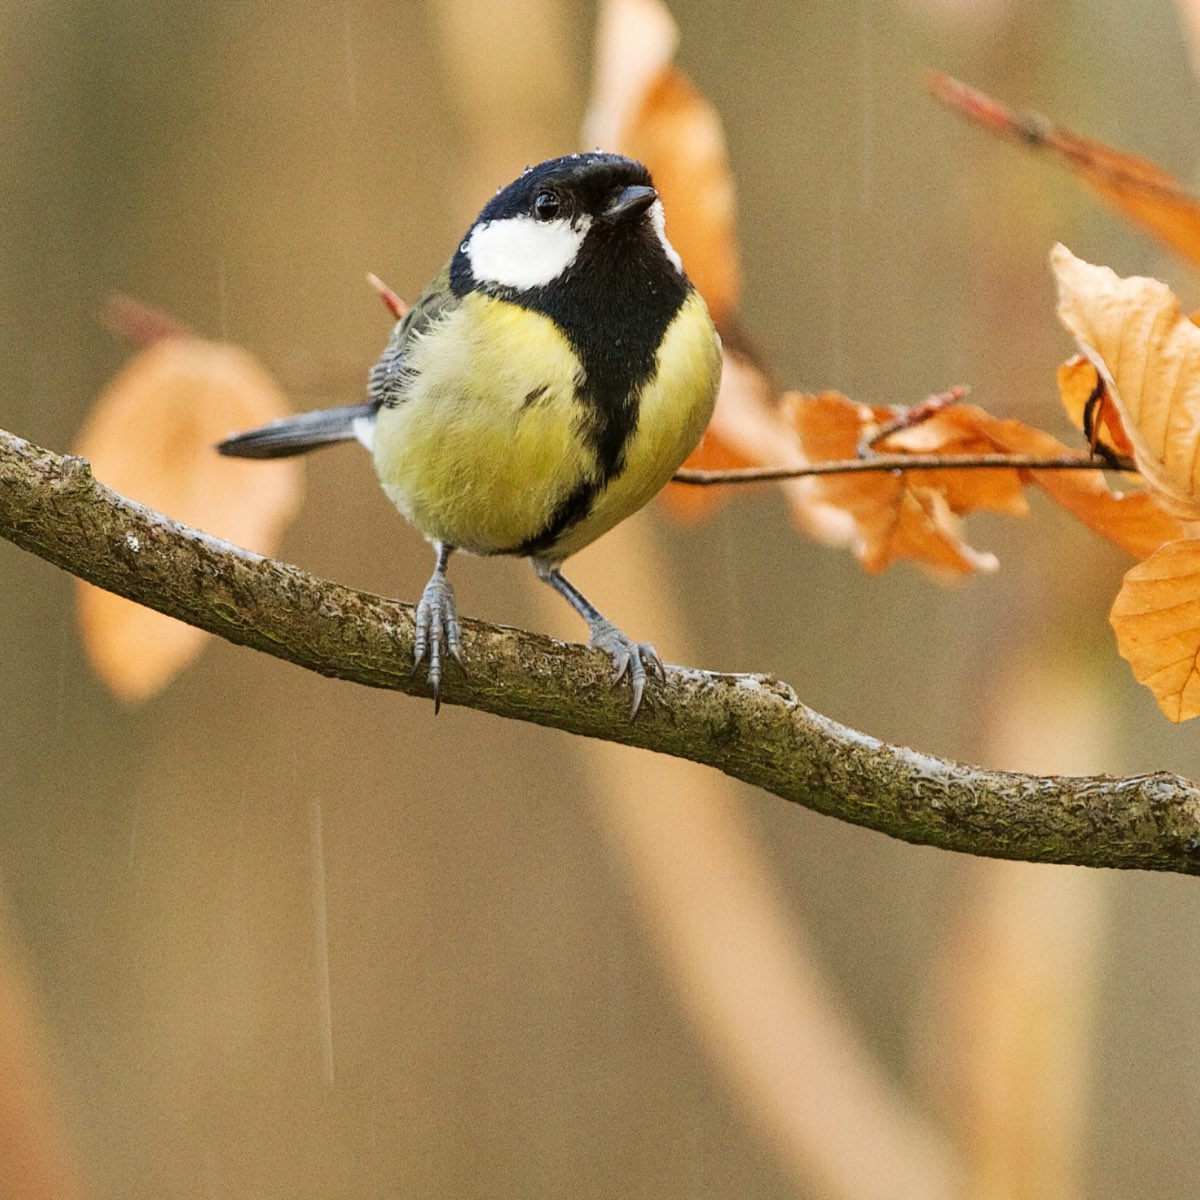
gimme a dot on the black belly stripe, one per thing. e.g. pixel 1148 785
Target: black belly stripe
pixel 613 305
pixel 569 513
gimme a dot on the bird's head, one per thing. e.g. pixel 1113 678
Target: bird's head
pixel 559 217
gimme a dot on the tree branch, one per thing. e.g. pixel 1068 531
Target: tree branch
pixel 749 726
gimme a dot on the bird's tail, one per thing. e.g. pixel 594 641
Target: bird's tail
pixel 304 432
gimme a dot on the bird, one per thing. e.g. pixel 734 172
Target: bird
pixel 548 382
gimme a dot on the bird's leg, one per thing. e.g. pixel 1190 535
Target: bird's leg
pixel 437 624
pixel 629 657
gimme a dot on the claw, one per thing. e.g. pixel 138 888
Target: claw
pixel 652 661
pixel 436 627
pixel 629 658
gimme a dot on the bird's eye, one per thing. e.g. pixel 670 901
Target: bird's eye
pixel 546 206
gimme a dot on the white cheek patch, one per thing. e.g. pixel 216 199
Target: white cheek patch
pixel 658 218
pixel 520 252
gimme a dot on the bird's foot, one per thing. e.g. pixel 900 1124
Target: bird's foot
pixel 437 627
pixel 638 660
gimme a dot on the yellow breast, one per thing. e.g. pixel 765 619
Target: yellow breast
pixel 489 439
pixel 484 444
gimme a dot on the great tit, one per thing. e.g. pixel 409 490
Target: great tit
pixel 545 386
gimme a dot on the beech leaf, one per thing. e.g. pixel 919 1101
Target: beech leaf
pixel 1156 617
pixel 1078 382
pixel 151 436
pixel 1147 352
pixel 896 515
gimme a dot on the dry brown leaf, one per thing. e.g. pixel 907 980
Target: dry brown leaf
pixel 961 430
pixel 150 436
pixel 1134 521
pixel 636 42
pixel 830 426
pixel 1077 384
pixel 1156 617
pixel 1148 354
pixel 643 106
pixel 896 516
pixel 1145 193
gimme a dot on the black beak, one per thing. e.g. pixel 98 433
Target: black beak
pixel 630 202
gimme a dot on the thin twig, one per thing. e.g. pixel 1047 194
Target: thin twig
pixel 391 301
pixel 141 324
pixel 909 418
pixel 907 462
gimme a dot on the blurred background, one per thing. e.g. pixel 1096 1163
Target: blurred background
pixel 272 936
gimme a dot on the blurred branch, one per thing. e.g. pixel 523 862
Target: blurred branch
pixel 750 726
pixel 734 949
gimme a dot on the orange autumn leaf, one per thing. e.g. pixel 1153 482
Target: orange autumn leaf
pixel 1148 354
pixel 1156 617
pixel 643 106
pixel 150 436
pixel 1144 192
pixel 1134 521
pixel 895 515
pixel 961 430
pixel 1078 382
pixel 830 427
